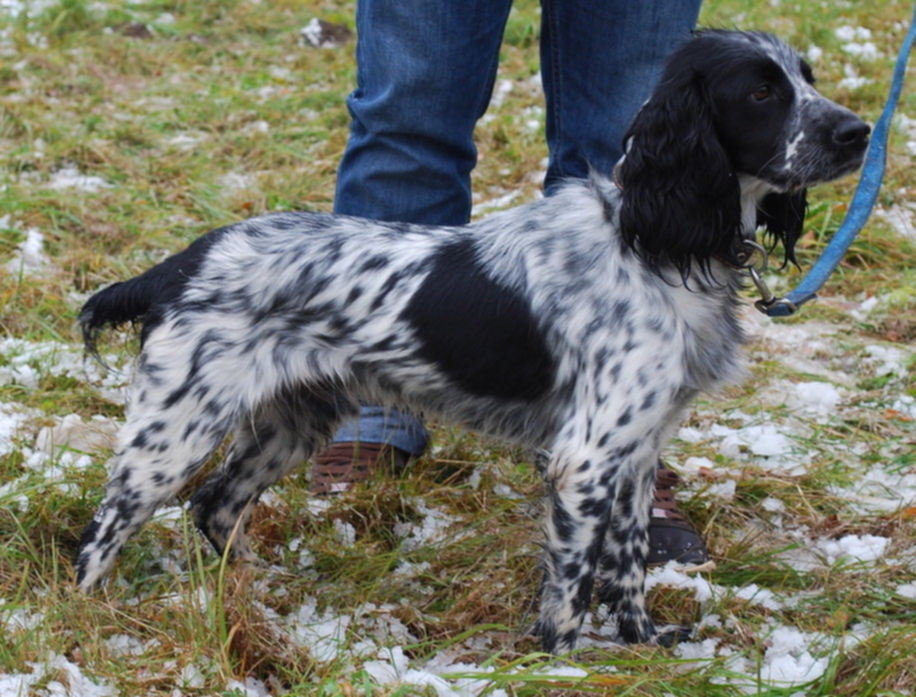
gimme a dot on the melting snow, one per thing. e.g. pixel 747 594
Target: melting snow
pixel 906 590
pixel 887 360
pixel 859 550
pixel 71 178
pixel 435 527
pixel 857 42
pixel 251 687
pixel 788 658
pixel 75 683
pixel 900 216
pixel 29 257
pixel 879 491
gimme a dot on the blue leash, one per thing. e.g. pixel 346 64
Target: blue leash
pixel 859 208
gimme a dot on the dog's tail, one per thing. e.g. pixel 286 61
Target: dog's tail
pixel 122 302
pixel 144 297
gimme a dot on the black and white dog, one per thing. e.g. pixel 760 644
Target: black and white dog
pixel 582 323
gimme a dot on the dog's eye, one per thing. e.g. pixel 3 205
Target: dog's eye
pixel 762 93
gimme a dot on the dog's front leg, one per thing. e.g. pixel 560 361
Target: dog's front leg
pixel 622 563
pixel 577 503
pixel 622 566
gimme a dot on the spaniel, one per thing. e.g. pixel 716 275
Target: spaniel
pixel 582 323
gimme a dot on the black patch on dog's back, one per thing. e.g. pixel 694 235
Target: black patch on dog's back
pixel 479 333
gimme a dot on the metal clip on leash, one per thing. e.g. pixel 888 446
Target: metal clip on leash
pixel 755 271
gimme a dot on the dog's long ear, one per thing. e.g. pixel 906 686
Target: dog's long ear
pixel 681 202
pixel 783 215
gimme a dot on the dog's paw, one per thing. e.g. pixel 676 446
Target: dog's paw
pixel 636 627
pixel 673 634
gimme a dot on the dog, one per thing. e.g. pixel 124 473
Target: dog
pixel 582 323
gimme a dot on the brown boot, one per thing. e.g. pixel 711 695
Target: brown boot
pixel 341 465
pixel 671 535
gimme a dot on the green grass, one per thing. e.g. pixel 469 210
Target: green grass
pixel 170 103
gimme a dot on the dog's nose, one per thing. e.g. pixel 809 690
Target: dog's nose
pixel 851 131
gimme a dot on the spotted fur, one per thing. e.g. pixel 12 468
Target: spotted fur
pixel 581 323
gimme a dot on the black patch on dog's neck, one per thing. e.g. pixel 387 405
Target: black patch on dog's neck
pixel 480 334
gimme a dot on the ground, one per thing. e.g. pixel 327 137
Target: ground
pixel 128 129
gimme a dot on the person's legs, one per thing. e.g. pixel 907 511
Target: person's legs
pixel 425 74
pixel 599 63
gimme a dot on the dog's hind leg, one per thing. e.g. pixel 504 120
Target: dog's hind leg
pixel 280 435
pixel 153 462
pixel 182 405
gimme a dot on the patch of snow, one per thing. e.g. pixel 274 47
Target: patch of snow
pixel 27 361
pixel 124 645
pixel 436 526
pixel 854 548
pixel 906 405
pixel 259 126
pixel 70 177
pixel 861 550
pixel 818 398
pixel 759 596
pixel 671 575
pixel 312 32
pixel 852 80
pixel 449 679
pixel 879 491
pixel 12 418
pixel 192 676
pixel 323 634
pixel 251 687
pixel 906 590
pixel 25 7
pixel 694 650
pixel 186 140
pixel 29 257
pixel 281 72
pixel 865 50
pixel 847 33
pixel 887 360
pixel 724 490
pixel 900 216
pixel 18 619
pixel 857 42
pixel 318 505
pixel 773 505
pixel 497 203
pixel 19 684
pixel 345 532
pixel 234 182
pixel 321 34
pixel 788 659
pixel 77 684
pixel 503 89
pixel 763 440
pixel 72 432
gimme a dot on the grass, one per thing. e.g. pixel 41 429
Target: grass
pixel 197 114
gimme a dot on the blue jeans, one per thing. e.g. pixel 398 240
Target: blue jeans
pixel 425 74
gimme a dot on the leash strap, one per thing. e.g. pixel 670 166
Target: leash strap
pixel 862 201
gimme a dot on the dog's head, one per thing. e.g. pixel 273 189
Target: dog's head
pixel 735 121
